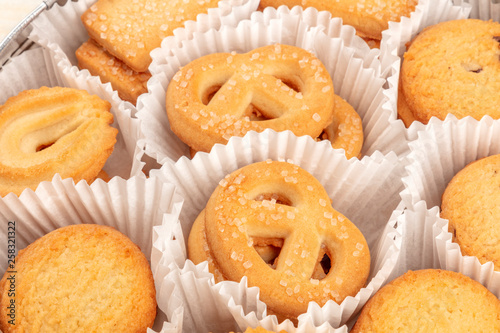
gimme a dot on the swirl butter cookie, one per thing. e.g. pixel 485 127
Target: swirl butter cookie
pixel 471 205
pixel 53 130
pixel 368 17
pixel 80 278
pixel 280 87
pixel 273 223
pixel 451 67
pixel 431 300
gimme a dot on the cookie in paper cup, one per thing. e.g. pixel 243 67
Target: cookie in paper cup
pixel 132 207
pixel 109 267
pixel 198 178
pixel 359 83
pixel 50 30
pixel 394 39
pixel 30 71
pixel 448 68
pixel 440 153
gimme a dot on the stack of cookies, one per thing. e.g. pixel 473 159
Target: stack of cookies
pixel 122 35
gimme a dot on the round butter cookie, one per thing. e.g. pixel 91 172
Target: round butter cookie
pixel 273 223
pixel 53 130
pixel 470 203
pixel 451 67
pixel 80 278
pixel 431 300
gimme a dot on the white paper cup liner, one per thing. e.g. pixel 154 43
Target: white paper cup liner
pixel 418 249
pixel 428 244
pixel 442 150
pixel 451 258
pixel 32 70
pixel 354 68
pixel 394 39
pixel 26 71
pixel 482 9
pixel 131 206
pixel 366 191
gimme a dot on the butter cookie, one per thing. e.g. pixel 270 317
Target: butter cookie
pixel 451 67
pixel 53 130
pixel 277 207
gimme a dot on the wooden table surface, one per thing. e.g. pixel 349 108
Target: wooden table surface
pixel 12 12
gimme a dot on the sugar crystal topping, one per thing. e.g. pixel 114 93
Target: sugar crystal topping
pixel 128 21
pixel 247 264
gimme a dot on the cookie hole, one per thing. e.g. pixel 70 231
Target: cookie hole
pixel 268 249
pixel 292 82
pixel 277 198
pixel 209 93
pixel 473 68
pixel 323 265
pixel 255 114
pixel 329 133
pixel 45 146
pixel 326 264
pixel 497 39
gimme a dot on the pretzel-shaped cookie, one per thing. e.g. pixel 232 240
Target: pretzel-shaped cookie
pixel 221 95
pixel 53 130
pixel 236 218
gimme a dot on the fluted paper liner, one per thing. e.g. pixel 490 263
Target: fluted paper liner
pixel 366 191
pixel 26 71
pixel 418 249
pixel 428 244
pixel 481 9
pixel 131 206
pixel 442 150
pixel 354 67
